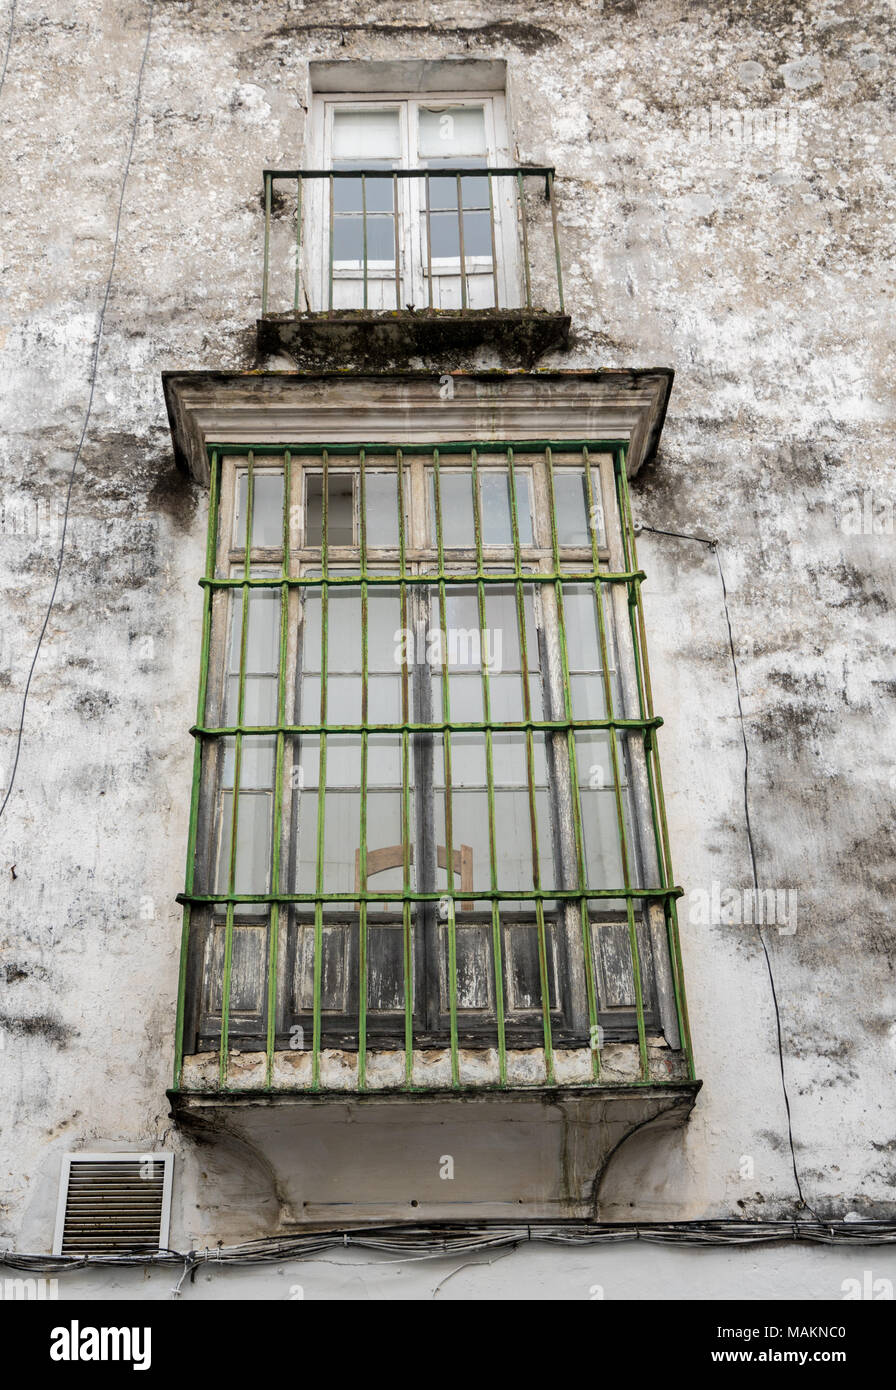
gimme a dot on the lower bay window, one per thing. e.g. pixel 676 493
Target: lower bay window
pixel 427 811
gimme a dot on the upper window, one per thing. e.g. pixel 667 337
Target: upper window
pixel 395 238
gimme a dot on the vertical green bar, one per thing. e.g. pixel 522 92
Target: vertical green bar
pixel 237 774
pixel 497 953
pixel 274 928
pixel 211 550
pixel 665 858
pixel 449 829
pixel 362 906
pixel 530 770
pixel 322 774
pixel 574 776
pixel 407 926
pixel 614 755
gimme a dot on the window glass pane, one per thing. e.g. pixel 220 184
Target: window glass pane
pixel 574 525
pixel 253 845
pixel 444 231
pixel 259 700
pixel 444 238
pixel 342 836
pixel 267 509
pixel 571 507
pixel 262 657
pixel 344 763
pixel 263 636
pixel 441 189
pixel 348 239
pixel 310 629
pixel 495 509
pixel 450 132
pixel 256 761
pixel 381 492
pixel 582 630
pixel 460 646
pixel 343 700
pixel 384 700
pixel 364 135
pixel 466 699
pixel 340 506
pixel 587 693
pixel 383 761
pixel 456 492
pixel 510 762
pixel 349 195
pixel 600 820
pixel 384 635
pixel 468 765
pixel 384 833
pixel 502 634
pixel 343 629
pixel 477 234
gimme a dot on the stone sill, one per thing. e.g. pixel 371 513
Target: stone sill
pixel 479 1068
pixel 379 338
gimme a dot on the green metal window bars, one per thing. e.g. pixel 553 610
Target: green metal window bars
pixel 521 893
pixel 393 239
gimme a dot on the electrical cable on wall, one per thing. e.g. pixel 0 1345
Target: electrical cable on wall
pixel 12 22
pixel 93 372
pixel 441 1239
pixel 715 548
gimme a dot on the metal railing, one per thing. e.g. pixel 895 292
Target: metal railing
pixel 537 569
pixel 503 249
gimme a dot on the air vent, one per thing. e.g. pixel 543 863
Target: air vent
pixel 113 1204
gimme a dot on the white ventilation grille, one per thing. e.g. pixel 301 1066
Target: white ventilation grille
pixel 113 1204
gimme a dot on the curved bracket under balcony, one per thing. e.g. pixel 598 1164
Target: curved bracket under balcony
pixel 521 1154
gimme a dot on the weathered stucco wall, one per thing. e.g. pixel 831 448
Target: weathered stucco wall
pixel 755 257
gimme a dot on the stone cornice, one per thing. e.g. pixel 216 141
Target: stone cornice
pixel 413 408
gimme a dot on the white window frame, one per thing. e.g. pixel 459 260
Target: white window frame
pixel 411 206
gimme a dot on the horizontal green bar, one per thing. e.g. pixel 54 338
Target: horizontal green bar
pixel 433 577
pixel 443 726
pixel 398 895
